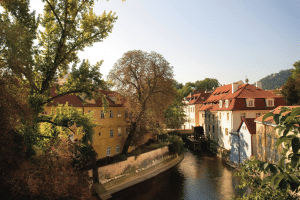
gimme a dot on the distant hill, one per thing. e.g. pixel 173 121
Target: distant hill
pixel 275 80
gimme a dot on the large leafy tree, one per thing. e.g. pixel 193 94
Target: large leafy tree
pixel 39 50
pixel 281 180
pixel 145 80
pixel 35 51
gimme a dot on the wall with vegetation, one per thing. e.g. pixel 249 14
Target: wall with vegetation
pixel 132 164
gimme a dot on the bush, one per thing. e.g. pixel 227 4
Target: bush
pixel 176 145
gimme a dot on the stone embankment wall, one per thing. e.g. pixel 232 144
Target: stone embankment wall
pixel 133 164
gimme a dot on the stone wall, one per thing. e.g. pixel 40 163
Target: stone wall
pixel 132 164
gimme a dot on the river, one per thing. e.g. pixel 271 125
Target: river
pixel 199 176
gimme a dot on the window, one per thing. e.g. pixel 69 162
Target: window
pixel 269 157
pixel 111 132
pixel 226 131
pixel 119 113
pixel 119 131
pixel 111 114
pixel 258 115
pixel 251 103
pixel 102 114
pixel 99 133
pixel 226 103
pixel 71 136
pixel 270 102
pixel 227 116
pixel 220 115
pixel 220 104
pixel 108 151
pixel 243 116
pixel 118 149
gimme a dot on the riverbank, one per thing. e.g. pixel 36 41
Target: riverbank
pixel 105 190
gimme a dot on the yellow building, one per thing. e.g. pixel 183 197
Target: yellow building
pixel 266 136
pixel 110 136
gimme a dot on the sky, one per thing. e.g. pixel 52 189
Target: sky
pixel 222 39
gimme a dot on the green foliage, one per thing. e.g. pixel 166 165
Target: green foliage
pixel 174 114
pixel 176 145
pixel 280 179
pixel 206 84
pixel 291 91
pixel 35 51
pixel 295 71
pixel 275 81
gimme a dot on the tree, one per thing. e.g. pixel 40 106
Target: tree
pixel 35 51
pixel 282 179
pixel 296 71
pixel 174 114
pixel 207 84
pixel 291 91
pixel 145 80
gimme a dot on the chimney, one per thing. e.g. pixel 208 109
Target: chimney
pixel 234 87
pixel 258 84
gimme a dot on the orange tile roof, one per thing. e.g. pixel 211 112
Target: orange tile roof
pixel 275 111
pixel 237 99
pixel 76 101
pixel 199 98
pixel 250 124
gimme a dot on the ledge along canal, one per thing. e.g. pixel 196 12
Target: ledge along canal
pixel 200 175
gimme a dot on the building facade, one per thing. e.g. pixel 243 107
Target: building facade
pixel 223 112
pixel 110 135
pixel 191 109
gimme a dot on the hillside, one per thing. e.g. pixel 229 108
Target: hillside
pixel 275 80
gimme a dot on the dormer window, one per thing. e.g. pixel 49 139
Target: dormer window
pixel 226 103
pixel 220 104
pixel 270 102
pixel 250 102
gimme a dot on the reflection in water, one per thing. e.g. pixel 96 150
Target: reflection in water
pixel 198 176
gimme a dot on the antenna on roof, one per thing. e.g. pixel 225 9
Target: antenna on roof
pixel 247 80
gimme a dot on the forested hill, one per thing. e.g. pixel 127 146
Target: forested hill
pixel 275 80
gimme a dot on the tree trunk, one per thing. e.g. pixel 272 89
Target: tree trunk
pixel 129 137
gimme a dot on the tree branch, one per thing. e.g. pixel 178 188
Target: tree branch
pixel 51 122
pixel 57 18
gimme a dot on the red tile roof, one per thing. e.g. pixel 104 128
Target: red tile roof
pixel 275 111
pixel 237 99
pixel 199 98
pixel 76 101
pixel 250 124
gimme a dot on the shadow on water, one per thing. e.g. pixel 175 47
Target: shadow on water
pixel 199 176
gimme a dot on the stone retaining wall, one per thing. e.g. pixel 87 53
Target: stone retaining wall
pixel 132 165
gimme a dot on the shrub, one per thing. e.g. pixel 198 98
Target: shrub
pixel 176 145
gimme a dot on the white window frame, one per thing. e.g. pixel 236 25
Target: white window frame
pixel 220 104
pixel 111 132
pixel 226 104
pixel 269 100
pixel 249 101
pixel 102 116
pixel 108 151
pixel 119 113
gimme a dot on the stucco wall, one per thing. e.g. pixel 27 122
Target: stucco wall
pixel 132 164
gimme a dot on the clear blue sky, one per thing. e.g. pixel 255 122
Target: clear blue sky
pixel 222 39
